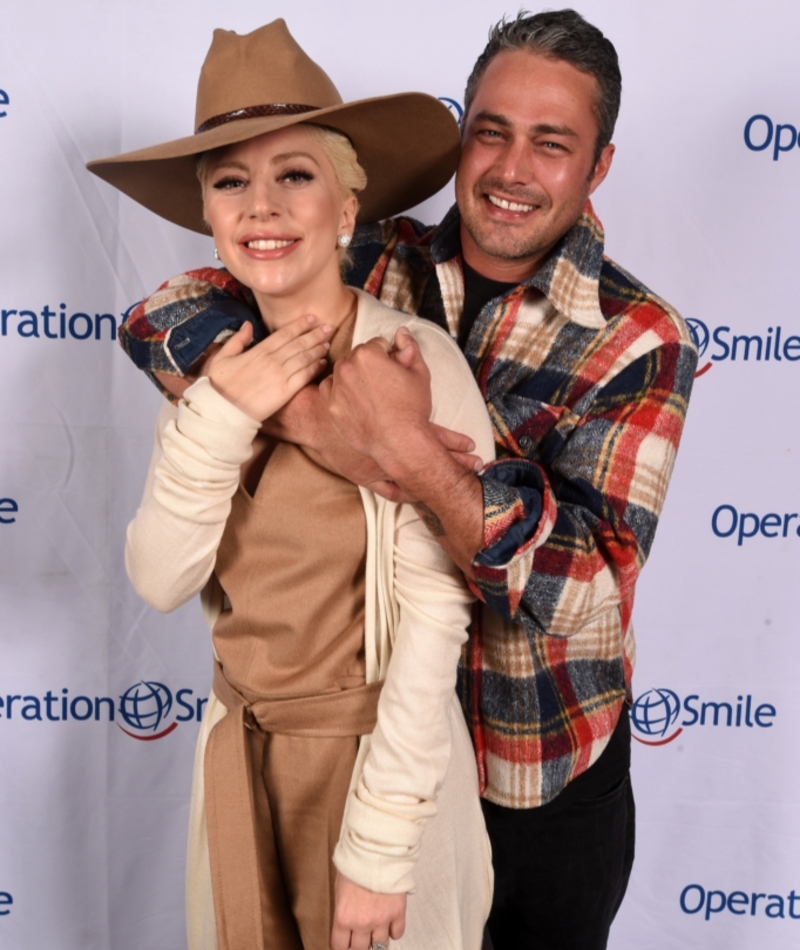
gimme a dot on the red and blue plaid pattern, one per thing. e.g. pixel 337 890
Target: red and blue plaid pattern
pixel 587 376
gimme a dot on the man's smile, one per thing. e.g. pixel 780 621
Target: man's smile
pixel 507 205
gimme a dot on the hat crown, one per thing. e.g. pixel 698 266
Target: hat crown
pixel 265 67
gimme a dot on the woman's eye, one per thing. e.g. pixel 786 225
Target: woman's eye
pixel 228 183
pixel 297 175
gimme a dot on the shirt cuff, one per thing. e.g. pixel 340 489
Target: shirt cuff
pixel 513 492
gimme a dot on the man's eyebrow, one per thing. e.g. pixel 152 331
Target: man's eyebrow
pixel 495 117
pixel 542 128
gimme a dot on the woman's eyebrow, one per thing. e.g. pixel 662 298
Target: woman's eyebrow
pixel 287 156
pixel 230 163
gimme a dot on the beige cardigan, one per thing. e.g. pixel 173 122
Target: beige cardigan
pixel 416 772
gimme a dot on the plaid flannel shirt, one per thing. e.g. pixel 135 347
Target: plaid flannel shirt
pixel 586 376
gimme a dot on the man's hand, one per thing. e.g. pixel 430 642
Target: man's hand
pixel 380 401
pixel 305 420
pixel 376 398
pixel 362 918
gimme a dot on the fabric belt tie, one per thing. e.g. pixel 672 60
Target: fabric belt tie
pixel 230 816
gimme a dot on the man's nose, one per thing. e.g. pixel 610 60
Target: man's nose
pixel 514 163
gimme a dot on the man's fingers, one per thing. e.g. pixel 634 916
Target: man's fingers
pixel 387 490
pixel 472 463
pixel 406 351
pixel 453 441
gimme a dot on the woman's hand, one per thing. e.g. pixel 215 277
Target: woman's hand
pixel 262 379
pixel 363 918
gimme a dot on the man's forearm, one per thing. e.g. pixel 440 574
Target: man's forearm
pixel 448 497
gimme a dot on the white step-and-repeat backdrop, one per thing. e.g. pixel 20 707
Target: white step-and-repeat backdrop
pixel 100 697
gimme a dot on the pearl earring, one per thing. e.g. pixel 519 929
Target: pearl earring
pixel 216 254
pixel 343 240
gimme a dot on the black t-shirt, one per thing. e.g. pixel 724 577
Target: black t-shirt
pixel 478 291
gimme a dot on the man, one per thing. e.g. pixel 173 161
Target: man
pixel 586 376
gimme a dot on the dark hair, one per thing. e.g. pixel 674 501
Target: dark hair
pixel 560 34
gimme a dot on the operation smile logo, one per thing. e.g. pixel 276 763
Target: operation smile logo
pixel 60 324
pixel 760 132
pixel 695 898
pixel 146 711
pixel 774 346
pixel 656 715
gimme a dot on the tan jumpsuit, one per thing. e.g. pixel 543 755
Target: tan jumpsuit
pixel 291 671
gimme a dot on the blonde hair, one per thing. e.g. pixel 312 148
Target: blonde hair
pixel 337 146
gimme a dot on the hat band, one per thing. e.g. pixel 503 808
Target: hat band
pixel 254 112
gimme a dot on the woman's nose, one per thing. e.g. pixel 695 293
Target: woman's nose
pixel 264 200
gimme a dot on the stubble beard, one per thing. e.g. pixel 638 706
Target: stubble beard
pixel 508 241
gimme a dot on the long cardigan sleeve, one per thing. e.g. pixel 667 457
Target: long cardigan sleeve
pixel 424 615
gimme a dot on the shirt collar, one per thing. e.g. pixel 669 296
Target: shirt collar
pixel 569 278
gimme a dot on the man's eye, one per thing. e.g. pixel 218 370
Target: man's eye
pixel 228 183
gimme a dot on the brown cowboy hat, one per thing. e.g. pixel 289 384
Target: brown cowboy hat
pixel 407 143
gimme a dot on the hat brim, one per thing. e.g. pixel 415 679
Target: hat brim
pixel 407 144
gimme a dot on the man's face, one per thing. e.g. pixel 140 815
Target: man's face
pixel 527 162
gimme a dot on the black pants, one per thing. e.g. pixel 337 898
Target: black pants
pixel 560 870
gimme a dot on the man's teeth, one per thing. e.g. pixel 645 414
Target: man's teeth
pixel 509 205
pixel 262 245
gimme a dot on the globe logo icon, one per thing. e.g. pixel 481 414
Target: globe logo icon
pixel 654 712
pixel 454 106
pixel 130 310
pixel 700 334
pixel 145 706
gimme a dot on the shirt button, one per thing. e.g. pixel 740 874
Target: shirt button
pixel 525 442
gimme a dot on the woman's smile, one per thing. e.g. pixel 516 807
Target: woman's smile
pixel 269 248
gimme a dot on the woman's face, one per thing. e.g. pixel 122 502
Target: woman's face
pixel 275 210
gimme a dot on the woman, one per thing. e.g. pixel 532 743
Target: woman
pixel 309 584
